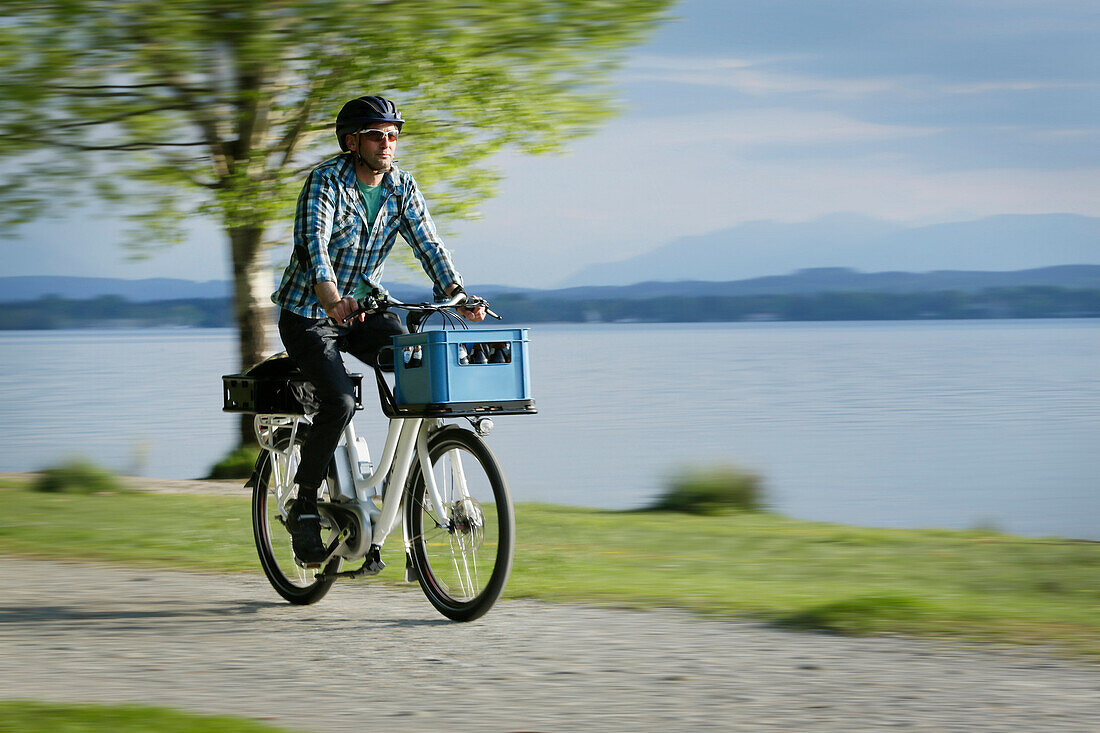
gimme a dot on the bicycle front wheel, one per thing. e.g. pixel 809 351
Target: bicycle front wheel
pixel 463 538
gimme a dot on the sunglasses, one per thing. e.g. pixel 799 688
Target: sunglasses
pixel 377 136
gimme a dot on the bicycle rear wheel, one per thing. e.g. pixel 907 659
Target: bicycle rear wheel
pixel 462 555
pixel 296 584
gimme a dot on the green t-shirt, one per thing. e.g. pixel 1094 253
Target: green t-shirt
pixel 372 197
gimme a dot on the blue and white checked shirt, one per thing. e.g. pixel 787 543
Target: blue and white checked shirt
pixel 331 228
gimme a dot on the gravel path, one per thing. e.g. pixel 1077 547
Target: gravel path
pixel 369 657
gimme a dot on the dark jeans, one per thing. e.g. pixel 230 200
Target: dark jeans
pixel 315 345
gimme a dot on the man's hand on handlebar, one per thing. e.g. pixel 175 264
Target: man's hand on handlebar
pixel 472 314
pixel 341 309
pixel 336 307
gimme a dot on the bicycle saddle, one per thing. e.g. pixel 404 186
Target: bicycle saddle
pixel 282 368
pixel 276 365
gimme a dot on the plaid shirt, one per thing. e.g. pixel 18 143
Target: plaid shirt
pixel 334 241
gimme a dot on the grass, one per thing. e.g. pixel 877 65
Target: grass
pixel 808 575
pixel 972 585
pixel 38 717
pixel 211 533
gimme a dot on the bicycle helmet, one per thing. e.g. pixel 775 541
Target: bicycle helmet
pixel 358 113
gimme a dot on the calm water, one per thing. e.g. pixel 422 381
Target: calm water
pixel 947 424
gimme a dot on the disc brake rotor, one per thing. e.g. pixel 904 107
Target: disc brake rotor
pixel 468 520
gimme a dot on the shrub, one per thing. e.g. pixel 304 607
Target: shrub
pixel 77 476
pixel 860 615
pixel 238 463
pixel 713 491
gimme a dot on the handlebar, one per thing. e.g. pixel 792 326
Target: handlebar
pixel 379 299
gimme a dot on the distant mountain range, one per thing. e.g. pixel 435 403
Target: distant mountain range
pixel 842 279
pixel 820 294
pixel 16 289
pixel 803 282
pixel 1009 242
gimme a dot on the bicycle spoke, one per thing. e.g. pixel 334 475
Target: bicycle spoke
pixel 477 581
pixel 460 578
pixel 466 566
pixel 272 496
pixel 458 572
pixel 466 563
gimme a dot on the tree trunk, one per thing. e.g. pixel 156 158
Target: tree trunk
pixel 252 286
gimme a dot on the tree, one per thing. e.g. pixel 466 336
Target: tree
pixel 219 107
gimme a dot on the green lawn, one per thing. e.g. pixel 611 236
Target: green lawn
pixel 973 585
pixel 38 717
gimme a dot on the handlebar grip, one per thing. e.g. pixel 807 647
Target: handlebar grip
pixel 458 299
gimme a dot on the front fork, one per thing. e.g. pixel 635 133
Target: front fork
pixel 432 489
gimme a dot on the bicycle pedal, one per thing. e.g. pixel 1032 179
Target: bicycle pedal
pixel 372 563
pixel 372 567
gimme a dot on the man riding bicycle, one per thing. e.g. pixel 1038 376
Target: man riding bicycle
pixel 349 213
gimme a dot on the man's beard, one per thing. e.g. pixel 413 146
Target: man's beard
pixel 386 168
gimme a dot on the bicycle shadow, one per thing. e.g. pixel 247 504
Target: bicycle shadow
pixel 409 623
pixel 135 610
pixel 155 613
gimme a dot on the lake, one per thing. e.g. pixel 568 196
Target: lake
pixel 894 424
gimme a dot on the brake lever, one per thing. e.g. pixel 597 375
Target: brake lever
pixel 472 303
pixel 369 305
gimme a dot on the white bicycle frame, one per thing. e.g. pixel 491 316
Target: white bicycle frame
pixel 356 476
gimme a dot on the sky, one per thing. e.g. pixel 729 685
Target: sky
pixel 913 111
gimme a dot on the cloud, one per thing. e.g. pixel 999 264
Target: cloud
pixel 1072 134
pixel 747 76
pixel 752 77
pixel 766 126
pixel 1014 85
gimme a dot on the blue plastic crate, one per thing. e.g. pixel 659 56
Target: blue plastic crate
pixel 441 378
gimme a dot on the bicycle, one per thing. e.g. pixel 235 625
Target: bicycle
pixel 439 481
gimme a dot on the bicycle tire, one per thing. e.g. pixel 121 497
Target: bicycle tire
pixel 295 584
pixel 447 560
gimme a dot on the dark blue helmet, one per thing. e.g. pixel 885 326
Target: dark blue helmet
pixel 361 112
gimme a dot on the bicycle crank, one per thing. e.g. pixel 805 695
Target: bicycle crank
pixel 372 565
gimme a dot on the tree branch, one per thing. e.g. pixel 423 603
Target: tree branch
pixel 119 117
pixel 82 87
pixel 113 87
pixel 175 82
pixel 135 146
pixel 207 124
pixel 77 146
pixel 294 130
pixel 288 145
